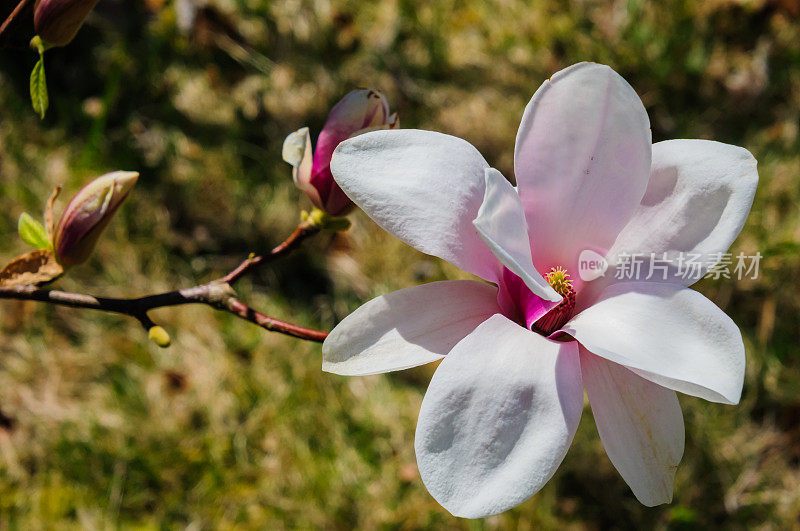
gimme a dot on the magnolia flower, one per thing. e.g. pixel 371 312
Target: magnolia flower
pixel 88 214
pixel 503 406
pixel 358 112
pixel 57 21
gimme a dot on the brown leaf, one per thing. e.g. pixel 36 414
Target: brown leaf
pixel 36 267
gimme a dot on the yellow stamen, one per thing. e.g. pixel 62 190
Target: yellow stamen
pixel 559 279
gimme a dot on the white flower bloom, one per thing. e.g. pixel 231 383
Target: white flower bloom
pixel 503 406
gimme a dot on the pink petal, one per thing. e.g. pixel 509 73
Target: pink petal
pixel 358 111
pixel 582 162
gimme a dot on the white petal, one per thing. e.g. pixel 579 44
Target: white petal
pixel 669 334
pixel 498 418
pixel 582 161
pixel 297 151
pixel 640 424
pixel 423 187
pixel 295 146
pixel 407 328
pixel 697 201
pixel 501 224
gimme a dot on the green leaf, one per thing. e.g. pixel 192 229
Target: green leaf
pixel 39 88
pixel 33 233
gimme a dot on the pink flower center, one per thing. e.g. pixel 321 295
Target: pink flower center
pixel 521 305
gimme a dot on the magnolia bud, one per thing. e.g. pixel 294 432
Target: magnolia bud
pixel 57 21
pixel 358 112
pixel 88 214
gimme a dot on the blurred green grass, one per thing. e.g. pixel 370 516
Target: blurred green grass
pixel 233 427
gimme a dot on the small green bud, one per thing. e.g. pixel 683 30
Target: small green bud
pixel 159 336
pixel 324 221
pixel 316 218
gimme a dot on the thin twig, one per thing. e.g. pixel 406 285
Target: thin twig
pixel 13 15
pixel 218 294
pixel 241 310
pixel 303 231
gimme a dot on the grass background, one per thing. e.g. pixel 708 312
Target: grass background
pixel 233 427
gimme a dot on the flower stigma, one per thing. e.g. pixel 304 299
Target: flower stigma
pixel 559 280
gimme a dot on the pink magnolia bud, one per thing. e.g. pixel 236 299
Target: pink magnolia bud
pixel 358 112
pixel 88 214
pixel 57 21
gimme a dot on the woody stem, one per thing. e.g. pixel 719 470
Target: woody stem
pixel 218 294
pixel 14 14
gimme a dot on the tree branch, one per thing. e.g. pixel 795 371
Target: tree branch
pixel 14 14
pixel 303 231
pixel 218 294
